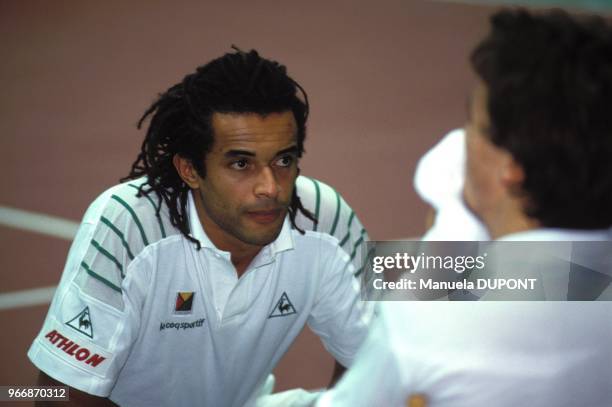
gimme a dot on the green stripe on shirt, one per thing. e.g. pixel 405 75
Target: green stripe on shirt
pixel 333 229
pixel 366 262
pixel 134 216
pixel 348 233
pixel 317 202
pixel 99 277
pixel 118 233
pixel 109 256
pixel 357 244
pixel 161 225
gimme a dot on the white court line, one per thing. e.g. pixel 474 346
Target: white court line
pixel 38 223
pixel 27 298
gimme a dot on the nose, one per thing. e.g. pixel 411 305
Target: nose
pixel 266 185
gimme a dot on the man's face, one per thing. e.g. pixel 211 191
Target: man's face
pixel 485 164
pixel 250 176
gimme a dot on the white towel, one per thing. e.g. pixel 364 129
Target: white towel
pixel 439 179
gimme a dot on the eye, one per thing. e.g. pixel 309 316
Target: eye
pixel 284 161
pixel 239 165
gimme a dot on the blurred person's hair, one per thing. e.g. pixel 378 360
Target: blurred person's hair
pixel 549 83
pixel 181 123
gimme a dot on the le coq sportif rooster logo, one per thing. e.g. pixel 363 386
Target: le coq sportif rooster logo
pixel 283 307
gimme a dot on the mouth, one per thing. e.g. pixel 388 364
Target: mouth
pixel 264 217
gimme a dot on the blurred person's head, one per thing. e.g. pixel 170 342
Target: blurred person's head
pixel 238 94
pixel 539 137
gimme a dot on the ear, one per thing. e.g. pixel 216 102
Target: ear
pixel 186 171
pixel 512 175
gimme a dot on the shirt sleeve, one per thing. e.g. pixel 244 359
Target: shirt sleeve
pixel 338 316
pixel 335 217
pixel 375 378
pixel 93 318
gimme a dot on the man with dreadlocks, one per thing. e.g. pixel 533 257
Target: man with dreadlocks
pixel 197 272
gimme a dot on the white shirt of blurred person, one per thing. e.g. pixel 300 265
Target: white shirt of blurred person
pixel 443 354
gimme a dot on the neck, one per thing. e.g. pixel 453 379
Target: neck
pixel 509 219
pixel 241 261
pixel 241 253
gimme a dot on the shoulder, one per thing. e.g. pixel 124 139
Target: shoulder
pixel 317 196
pixel 314 238
pixel 116 229
pixel 137 217
pixel 317 246
pixel 335 217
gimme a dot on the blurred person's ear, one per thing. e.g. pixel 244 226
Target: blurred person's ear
pixel 512 174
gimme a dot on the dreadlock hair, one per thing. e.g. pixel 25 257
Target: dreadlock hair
pixel 237 82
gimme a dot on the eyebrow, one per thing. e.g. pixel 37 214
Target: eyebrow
pixel 245 153
pixel 289 150
pixel 239 153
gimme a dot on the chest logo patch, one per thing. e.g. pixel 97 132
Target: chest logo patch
pixel 283 307
pixel 184 302
pixel 82 323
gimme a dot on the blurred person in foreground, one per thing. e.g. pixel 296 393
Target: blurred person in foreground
pixel 538 144
pixel 188 282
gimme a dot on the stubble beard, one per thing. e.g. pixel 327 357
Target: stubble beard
pixel 234 225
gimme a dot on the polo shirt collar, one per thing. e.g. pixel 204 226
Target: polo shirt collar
pixel 195 226
pixel 284 241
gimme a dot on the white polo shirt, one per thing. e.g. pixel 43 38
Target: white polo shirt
pixel 143 317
